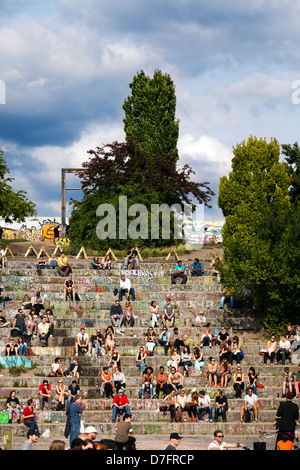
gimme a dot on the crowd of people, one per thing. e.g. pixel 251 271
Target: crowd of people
pixel 223 371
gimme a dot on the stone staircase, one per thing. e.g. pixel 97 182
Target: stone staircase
pixel 95 289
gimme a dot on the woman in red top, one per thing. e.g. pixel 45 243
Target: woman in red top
pixel 29 416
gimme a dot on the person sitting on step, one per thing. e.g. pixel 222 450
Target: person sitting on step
pixel 132 258
pixel 69 289
pixel 83 343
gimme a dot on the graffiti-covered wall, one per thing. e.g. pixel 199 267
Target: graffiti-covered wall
pixel 41 228
pixel 34 228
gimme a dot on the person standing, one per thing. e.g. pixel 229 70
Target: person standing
pixel 75 413
pixel 286 417
pixel 55 232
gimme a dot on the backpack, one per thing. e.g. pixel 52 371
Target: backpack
pixel 4 418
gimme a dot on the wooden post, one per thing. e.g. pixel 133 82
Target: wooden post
pixel 42 250
pixel 81 252
pixel 173 252
pixel 139 254
pixel 31 248
pixel 8 250
pixel 58 247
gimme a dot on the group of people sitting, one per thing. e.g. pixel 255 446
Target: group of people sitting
pixel 36 323
pixel 181 271
pixel 60 264
pixel 105 263
pixel 282 351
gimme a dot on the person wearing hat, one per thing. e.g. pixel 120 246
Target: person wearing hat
pixel 32 437
pixel 120 404
pixel 175 440
pixel 90 433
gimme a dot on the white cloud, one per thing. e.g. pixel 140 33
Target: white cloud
pixel 205 151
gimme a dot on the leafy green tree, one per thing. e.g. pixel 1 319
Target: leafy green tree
pixel 257 233
pixel 13 204
pixel 150 114
pixel 123 169
pixel 292 158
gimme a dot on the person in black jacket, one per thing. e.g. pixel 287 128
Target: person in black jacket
pixel 286 417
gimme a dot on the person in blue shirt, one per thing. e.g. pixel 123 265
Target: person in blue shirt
pixel 75 412
pixel 197 268
pixel 179 272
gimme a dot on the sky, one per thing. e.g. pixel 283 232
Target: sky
pixel 66 66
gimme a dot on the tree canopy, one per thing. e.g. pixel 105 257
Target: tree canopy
pixel 258 232
pixel 124 169
pixel 14 205
pixel 150 114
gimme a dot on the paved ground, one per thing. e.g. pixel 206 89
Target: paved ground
pixel 152 443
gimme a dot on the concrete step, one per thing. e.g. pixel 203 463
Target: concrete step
pixel 150 278
pixel 238 432
pixel 146 416
pixel 95 402
pixel 207 299
pixel 140 289
pixel 154 361
pixel 91 375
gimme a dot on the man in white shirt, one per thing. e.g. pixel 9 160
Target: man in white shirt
pixel 204 406
pixel 83 342
pixel 250 404
pixel 219 444
pixel 126 289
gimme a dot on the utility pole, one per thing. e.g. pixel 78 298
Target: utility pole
pixel 63 195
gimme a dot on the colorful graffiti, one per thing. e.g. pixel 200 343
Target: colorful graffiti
pixel 33 229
